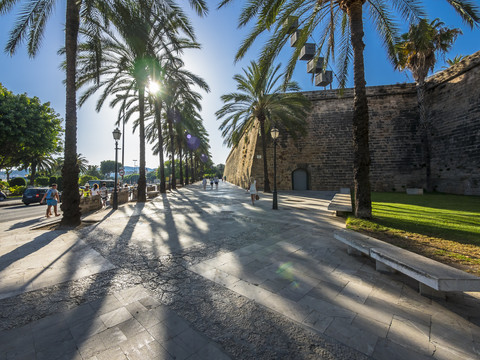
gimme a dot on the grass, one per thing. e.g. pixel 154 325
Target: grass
pixel 439 226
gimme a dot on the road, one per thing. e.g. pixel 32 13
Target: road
pixel 21 212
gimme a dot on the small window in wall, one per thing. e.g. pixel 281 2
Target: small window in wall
pixel 259 156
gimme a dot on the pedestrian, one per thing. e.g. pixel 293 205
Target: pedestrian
pixel 104 194
pixel 87 192
pixel 211 183
pixel 204 183
pixel 52 200
pixel 253 189
pixel 95 190
pixel 215 179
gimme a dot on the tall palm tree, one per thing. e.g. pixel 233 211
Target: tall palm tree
pixel 416 51
pixel 324 19
pixel 260 99
pixel 31 23
pixel 126 61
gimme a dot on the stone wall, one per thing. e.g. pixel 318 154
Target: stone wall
pixel 454 112
pixel 238 166
pixel 325 154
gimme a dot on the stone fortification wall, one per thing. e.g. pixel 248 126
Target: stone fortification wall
pixel 325 153
pixel 238 166
pixel 454 111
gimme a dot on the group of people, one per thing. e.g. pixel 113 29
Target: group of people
pixel 96 190
pixel 212 181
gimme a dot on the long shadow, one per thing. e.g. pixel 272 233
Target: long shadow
pixel 27 249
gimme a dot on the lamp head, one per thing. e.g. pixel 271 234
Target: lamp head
pixel 275 133
pixel 117 134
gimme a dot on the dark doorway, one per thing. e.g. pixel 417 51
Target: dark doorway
pixel 300 179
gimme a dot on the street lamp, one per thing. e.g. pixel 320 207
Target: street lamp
pixel 274 132
pixel 116 136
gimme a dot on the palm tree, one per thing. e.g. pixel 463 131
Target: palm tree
pixel 32 21
pixel 455 60
pixel 345 17
pixel 416 51
pixel 126 64
pixel 258 99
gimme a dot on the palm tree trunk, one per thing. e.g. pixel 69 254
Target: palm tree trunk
pixel 361 162
pixel 142 181
pixel 33 172
pixel 266 183
pixel 424 136
pixel 172 148
pixel 70 197
pixel 158 111
pixel 186 167
pixel 180 157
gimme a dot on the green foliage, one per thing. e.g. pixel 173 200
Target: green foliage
pixel 17 190
pixel 108 166
pixel 92 170
pixel 18 181
pixel 131 178
pixel 85 178
pixel 30 130
pixel 3 185
pixel 42 181
pixel 57 180
pixel 151 176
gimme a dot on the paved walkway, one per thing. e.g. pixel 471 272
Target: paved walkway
pixel 205 275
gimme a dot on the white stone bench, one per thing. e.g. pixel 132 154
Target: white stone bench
pixel 341 204
pixel 434 278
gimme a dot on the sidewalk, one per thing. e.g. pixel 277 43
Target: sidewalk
pixel 205 275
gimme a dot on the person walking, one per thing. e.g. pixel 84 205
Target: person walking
pixel 87 192
pixel 95 190
pixel 253 189
pixel 104 194
pixel 211 183
pixel 52 200
pixel 204 183
pixel 215 179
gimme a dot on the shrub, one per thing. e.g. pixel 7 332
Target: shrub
pixel 85 178
pixel 17 190
pixel 42 181
pixel 3 185
pixel 18 181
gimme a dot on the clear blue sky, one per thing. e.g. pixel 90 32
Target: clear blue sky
pixel 220 38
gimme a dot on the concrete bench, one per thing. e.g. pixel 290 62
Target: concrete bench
pixel 341 204
pixel 435 279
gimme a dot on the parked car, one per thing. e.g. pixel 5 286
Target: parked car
pixel 33 195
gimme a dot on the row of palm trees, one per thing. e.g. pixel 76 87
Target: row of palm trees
pixel 338 25
pixel 125 44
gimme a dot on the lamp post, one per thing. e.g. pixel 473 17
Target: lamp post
pixel 274 132
pixel 116 136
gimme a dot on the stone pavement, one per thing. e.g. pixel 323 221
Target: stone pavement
pixel 205 275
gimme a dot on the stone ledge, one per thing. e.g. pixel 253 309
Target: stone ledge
pixel 432 274
pixel 341 203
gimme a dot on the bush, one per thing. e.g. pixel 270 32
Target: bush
pixel 58 181
pixel 42 181
pixel 85 178
pixel 3 185
pixel 17 190
pixel 18 181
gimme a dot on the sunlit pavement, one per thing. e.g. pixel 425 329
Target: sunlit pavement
pixel 204 274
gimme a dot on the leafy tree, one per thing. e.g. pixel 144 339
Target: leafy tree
pixel 42 181
pixel 326 20
pixel 30 131
pixel 85 178
pixel 151 176
pixel 108 167
pixel 93 170
pixel 260 99
pixel 416 51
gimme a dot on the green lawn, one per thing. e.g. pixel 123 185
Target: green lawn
pixel 449 217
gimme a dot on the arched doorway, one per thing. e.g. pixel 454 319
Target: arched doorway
pixel 300 179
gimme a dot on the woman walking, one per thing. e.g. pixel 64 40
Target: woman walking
pixel 253 189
